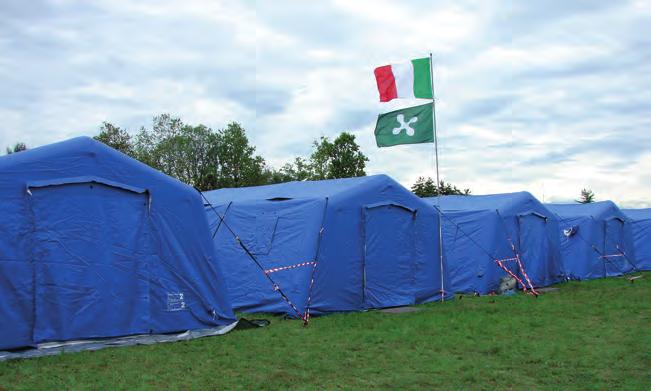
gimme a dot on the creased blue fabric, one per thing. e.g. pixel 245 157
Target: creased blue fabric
pixel 379 245
pixel 641 226
pixel 478 230
pixel 94 244
pixel 596 240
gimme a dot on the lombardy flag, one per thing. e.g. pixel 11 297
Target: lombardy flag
pixel 412 125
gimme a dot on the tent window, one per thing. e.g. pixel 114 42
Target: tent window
pixel 265 227
pixel 392 204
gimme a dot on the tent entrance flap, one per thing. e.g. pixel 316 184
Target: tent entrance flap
pixel 534 247
pixel 388 255
pixel 91 244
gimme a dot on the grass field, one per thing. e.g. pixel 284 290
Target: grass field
pixel 588 335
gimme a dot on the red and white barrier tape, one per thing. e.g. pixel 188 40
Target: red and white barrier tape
pixel 306 318
pixel 524 273
pixel 277 269
pixel 303 316
pixel 501 265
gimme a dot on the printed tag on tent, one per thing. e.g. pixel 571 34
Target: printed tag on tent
pixel 175 302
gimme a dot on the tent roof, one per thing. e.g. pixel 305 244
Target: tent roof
pixel 638 214
pixel 598 210
pixel 302 189
pixel 506 203
pixel 74 151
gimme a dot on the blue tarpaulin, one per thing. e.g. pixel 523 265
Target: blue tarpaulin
pixel 641 226
pixel 94 244
pixel 596 240
pixel 368 243
pixel 479 231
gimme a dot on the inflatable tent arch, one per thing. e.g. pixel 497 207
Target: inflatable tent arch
pixel 92 246
pixel 489 237
pixel 329 246
pixel 596 240
pixel 641 226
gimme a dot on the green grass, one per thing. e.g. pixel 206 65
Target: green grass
pixel 588 335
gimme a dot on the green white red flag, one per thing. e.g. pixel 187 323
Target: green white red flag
pixel 407 80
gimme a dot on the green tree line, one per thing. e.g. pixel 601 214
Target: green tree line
pixel 211 159
pixel 426 187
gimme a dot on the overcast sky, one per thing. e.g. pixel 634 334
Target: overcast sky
pixel 545 96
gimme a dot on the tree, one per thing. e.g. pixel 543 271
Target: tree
pixel 587 197
pixel 238 165
pixel 18 147
pixel 299 170
pixel 173 148
pixel 115 137
pixel 196 155
pixel 188 153
pixel 208 159
pixel 341 158
pixel 426 187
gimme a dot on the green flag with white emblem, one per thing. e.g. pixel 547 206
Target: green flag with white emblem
pixel 412 125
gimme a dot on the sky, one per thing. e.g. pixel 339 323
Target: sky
pixel 546 96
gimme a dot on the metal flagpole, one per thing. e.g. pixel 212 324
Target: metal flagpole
pixel 438 181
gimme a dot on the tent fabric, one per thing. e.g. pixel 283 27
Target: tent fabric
pixel 641 228
pixel 57 348
pixel 480 230
pixel 596 240
pixel 94 244
pixel 367 242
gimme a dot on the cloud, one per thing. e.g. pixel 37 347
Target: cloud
pixel 546 96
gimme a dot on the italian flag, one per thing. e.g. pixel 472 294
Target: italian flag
pixel 407 80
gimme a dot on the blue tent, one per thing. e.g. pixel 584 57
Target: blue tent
pixel 641 226
pixel 94 244
pixel 489 237
pixel 334 245
pixel 596 240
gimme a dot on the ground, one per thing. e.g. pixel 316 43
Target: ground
pixel 586 335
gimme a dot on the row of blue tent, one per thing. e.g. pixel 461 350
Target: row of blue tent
pixel 94 244
pixel 542 243
pixel 376 245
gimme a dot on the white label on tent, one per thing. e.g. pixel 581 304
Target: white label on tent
pixel 175 302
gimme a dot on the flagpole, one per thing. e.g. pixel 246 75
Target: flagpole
pixel 438 181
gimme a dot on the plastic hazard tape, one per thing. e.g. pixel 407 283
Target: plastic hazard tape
pixel 277 269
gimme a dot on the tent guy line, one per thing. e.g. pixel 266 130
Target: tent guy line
pixel 88 225
pixel 275 286
pixel 500 262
